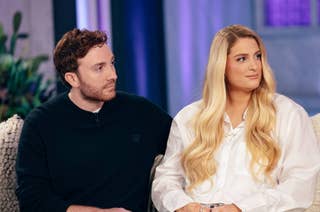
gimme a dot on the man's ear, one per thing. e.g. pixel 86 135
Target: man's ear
pixel 72 79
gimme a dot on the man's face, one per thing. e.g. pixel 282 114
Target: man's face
pixel 97 74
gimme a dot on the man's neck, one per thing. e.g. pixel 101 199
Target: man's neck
pixel 84 104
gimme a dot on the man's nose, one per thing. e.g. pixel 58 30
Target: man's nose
pixel 112 74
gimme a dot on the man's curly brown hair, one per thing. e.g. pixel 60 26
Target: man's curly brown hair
pixel 74 45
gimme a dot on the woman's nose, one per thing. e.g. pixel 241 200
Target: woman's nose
pixel 253 65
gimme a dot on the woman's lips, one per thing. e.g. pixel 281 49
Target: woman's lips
pixel 255 76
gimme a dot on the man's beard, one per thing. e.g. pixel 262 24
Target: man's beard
pixel 97 95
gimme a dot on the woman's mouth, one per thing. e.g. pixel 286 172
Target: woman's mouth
pixel 254 76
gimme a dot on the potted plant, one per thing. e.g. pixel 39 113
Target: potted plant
pixel 21 87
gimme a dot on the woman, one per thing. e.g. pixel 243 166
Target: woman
pixel 242 147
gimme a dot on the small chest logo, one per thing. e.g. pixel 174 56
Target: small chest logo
pixel 136 138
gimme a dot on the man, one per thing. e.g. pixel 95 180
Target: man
pixel 91 148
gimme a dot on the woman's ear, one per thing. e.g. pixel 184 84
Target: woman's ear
pixel 72 79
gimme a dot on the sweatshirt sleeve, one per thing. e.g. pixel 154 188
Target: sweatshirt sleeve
pixel 166 121
pixel 300 163
pixel 34 190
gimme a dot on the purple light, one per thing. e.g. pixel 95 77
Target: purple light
pixel 99 14
pixel 82 14
pixel 287 13
pixel 140 63
pixel 104 15
pixel 218 17
pixel 139 53
pixel 318 11
pixel 186 45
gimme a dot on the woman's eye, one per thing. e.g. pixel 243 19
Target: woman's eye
pixel 258 56
pixel 241 59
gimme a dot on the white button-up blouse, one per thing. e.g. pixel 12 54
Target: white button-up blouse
pixel 295 172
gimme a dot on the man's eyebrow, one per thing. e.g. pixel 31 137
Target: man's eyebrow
pixel 98 64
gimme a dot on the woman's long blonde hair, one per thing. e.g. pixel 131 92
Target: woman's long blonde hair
pixel 198 159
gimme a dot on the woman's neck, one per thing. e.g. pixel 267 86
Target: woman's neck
pixel 237 103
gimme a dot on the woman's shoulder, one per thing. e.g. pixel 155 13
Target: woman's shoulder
pixel 286 104
pixel 188 112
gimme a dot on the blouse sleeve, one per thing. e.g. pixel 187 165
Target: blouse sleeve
pixel 299 165
pixel 168 186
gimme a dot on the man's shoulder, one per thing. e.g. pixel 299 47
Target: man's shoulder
pixel 130 97
pixel 52 106
pixel 138 103
pixel 134 100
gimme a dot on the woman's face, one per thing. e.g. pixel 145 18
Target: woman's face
pixel 244 68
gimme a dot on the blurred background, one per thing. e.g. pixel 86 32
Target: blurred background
pixel 161 46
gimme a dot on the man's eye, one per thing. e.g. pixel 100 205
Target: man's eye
pixel 99 68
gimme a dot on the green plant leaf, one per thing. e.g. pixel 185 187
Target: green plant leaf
pixel 16 21
pixel 13 43
pixel 3 48
pixel 12 78
pixel 6 62
pixel 1 29
pixel 25 105
pixel 11 111
pixel 3 39
pixel 24 87
pixel 35 62
pixel 36 102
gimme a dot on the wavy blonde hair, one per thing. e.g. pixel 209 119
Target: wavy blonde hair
pixel 198 159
